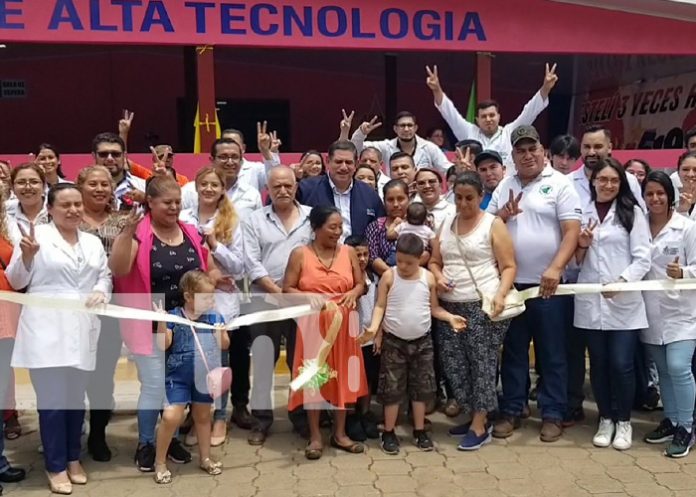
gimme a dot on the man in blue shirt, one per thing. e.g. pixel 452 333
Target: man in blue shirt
pixel 490 167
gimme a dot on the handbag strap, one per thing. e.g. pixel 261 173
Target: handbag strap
pixel 461 252
pixel 200 348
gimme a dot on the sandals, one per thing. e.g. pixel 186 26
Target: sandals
pixel 354 448
pixel 13 430
pixel 162 474
pixel 312 454
pixel 211 467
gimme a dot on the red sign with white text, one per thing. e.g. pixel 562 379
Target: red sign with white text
pixel 463 25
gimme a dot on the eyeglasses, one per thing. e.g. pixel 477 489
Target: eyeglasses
pixel 608 181
pixel 425 182
pixel 30 182
pixel 227 158
pixel 105 154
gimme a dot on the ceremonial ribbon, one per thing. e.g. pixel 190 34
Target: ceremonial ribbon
pixel 314 370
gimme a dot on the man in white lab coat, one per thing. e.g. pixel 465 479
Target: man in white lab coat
pixel 487 129
pixel 425 153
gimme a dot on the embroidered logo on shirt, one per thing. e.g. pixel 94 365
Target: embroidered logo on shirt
pixel 371 212
pixel 545 189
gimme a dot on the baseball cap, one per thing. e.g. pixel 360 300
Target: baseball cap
pixel 524 132
pixel 488 154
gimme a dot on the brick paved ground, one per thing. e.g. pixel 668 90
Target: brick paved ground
pixel 520 466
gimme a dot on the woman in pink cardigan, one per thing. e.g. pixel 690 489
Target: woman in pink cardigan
pixel 147 261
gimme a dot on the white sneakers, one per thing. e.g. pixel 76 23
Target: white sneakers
pixel 605 433
pixel 624 436
pixel 619 437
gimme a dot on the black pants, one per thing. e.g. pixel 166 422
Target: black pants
pixel 100 386
pixel 265 345
pixel 239 362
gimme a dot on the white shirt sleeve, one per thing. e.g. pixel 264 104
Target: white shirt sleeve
pixel 358 140
pixel 437 158
pixel 231 256
pixel 689 242
pixel 637 192
pixel 104 280
pixel 461 128
pixel 530 112
pixel 189 197
pixel 568 206
pixel 494 205
pixel 252 251
pixel 639 240
pixel 17 274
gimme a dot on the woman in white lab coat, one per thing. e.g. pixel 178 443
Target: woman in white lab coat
pixel 670 337
pixel 218 223
pixel 59 346
pixel 28 207
pixel 614 246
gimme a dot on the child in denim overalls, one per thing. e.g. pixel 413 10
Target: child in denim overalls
pixel 185 375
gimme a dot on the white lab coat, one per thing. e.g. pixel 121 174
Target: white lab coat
pixel 229 258
pixel 48 338
pixel 614 254
pixel 672 314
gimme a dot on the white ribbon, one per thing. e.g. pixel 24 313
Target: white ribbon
pixel 119 312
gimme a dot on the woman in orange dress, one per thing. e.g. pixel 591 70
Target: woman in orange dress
pixel 328 268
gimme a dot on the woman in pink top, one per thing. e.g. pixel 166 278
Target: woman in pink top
pixel 148 259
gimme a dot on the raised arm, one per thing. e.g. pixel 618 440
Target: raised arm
pixel 461 128
pixel 125 247
pixel 538 102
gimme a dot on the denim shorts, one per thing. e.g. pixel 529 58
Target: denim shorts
pixel 184 379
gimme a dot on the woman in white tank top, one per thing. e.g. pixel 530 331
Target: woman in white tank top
pixel 468 360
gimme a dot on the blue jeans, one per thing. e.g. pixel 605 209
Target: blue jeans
pixel 612 360
pixel 544 321
pixel 60 396
pixel 676 379
pixel 152 395
pixel 576 346
pixel 6 346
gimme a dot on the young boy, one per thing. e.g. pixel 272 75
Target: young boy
pixel 406 300
pixel 362 425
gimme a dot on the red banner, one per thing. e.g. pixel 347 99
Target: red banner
pixel 189 164
pixel 495 25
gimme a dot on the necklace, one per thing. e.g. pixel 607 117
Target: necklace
pixel 167 239
pixel 333 257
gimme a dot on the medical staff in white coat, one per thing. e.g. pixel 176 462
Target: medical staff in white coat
pixel 614 246
pixel 59 346
pixel 220 226
pixel 686 173
pixel 670 338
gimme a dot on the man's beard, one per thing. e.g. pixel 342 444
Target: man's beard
pixel 407 140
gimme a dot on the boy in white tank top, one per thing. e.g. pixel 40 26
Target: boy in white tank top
pixel 406 302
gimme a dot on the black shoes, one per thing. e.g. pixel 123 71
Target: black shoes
pixel 12 475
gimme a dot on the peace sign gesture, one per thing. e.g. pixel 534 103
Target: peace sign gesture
pixel 124 125
pixel 464 160
pixel 674 270
pixel 263 138
pixel 433 80
pixel 346 123
pixel 275 142
pixel 550 80
pixel 687 196
pixel 159 163
pixel 587 234
pixel 28 244
pixel 368 127
pixel 511 207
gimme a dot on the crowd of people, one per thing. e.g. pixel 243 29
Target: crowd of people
pixel 412 263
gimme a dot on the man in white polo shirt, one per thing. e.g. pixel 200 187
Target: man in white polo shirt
pixel 542 212
pixel 690 145
pixel 254 173
pixel 487 129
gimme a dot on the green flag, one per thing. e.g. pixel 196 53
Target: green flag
pixel 471 109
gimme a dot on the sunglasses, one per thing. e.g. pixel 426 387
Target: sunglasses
pixel 106 154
